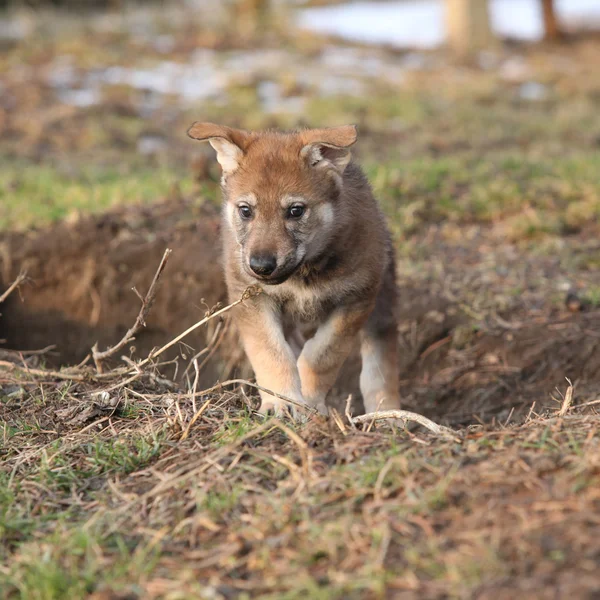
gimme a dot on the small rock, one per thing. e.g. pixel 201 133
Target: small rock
pixel 533 91
pixel 151 144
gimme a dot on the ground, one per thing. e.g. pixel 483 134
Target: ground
pixel 145 483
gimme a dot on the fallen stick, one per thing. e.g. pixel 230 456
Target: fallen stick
pixel 140 322
pixel 566 405
pixel 403 415
pixel 21 278
pixel 78 375
pixel 69 374
pixel 197 415
pixel 250 292
pixel 219 386
pixel 9 366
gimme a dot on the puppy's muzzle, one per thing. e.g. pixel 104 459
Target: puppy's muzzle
pixel 267 269
pixel 263 264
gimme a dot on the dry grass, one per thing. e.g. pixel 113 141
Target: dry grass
pixel 125 484
pixel 130 488
pixel 134 494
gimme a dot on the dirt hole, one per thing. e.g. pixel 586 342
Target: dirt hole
pixel 82 274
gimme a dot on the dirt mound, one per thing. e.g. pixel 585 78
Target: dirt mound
pixel 80 293
pixel 82 274
pixel 507 371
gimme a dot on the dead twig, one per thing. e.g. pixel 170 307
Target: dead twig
pixel 304 407
pixel 219 386
pixel 196 416
pixel 140 322
pixel 586 404
pixel 216 341
pixel 337 418
pixel 213 344
pixel 21 278
pixel 348 411
pixel 404 415
pixel 67 374
pixel 250 292
pixel 305 453
pixel 195 386
pixel 567 400
pixel 40 352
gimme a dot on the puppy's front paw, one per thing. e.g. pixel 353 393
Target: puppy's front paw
pixel 280 408
pixel 323 410
pixel 273 407
pixel 381 402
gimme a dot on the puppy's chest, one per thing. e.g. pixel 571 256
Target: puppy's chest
pixel 303 304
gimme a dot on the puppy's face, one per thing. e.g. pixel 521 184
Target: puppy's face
pixel 281 193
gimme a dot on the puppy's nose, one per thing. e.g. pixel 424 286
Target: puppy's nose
pixel 263 264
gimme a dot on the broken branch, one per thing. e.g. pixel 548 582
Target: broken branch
pixel 250 292
pixel 21 278
pixel 566 405
pixel 140 322
pixel 403 415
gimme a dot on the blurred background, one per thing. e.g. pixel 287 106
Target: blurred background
pixel 479 130
pixel 96 89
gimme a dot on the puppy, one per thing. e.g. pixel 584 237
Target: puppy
pixel 301 222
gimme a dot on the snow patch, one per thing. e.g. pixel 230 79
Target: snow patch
pixel 420 23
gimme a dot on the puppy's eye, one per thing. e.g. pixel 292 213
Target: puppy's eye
pixel 245 211
pixel 296 211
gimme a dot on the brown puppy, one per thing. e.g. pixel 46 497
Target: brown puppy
pixel 300 220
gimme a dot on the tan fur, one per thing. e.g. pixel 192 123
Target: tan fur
pixel 329 268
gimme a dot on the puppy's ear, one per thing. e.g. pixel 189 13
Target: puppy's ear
pixel 328 147
pixel 229 143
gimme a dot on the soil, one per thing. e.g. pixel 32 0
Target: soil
pixel 80 293
pixel 128 486
pixel 82 275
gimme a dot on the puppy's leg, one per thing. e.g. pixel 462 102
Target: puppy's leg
pixel 324 354
pixel 379 350
pixel 271 357
pixel 295 339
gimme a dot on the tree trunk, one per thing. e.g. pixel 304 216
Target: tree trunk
pixel 551 29
pixel 252 16
pixel 468 25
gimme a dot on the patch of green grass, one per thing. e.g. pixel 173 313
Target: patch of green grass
pixel 435 497
pixel 53 571
pixel 592 296
pixel 369 471
pixel 70 562
pixel 375 110
pixel 70 469
pixel 233 429
pixel 121 456
pixel 372 585
pixel 130 411
pixel 391 474
pixel 63 471
pixel 219 502
pixel 20 520
pixel 18 427
pixel 12 520
pixel 37 194
pixel 430 560
pixel 533 196
pixel 58 472
pixel 546 442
